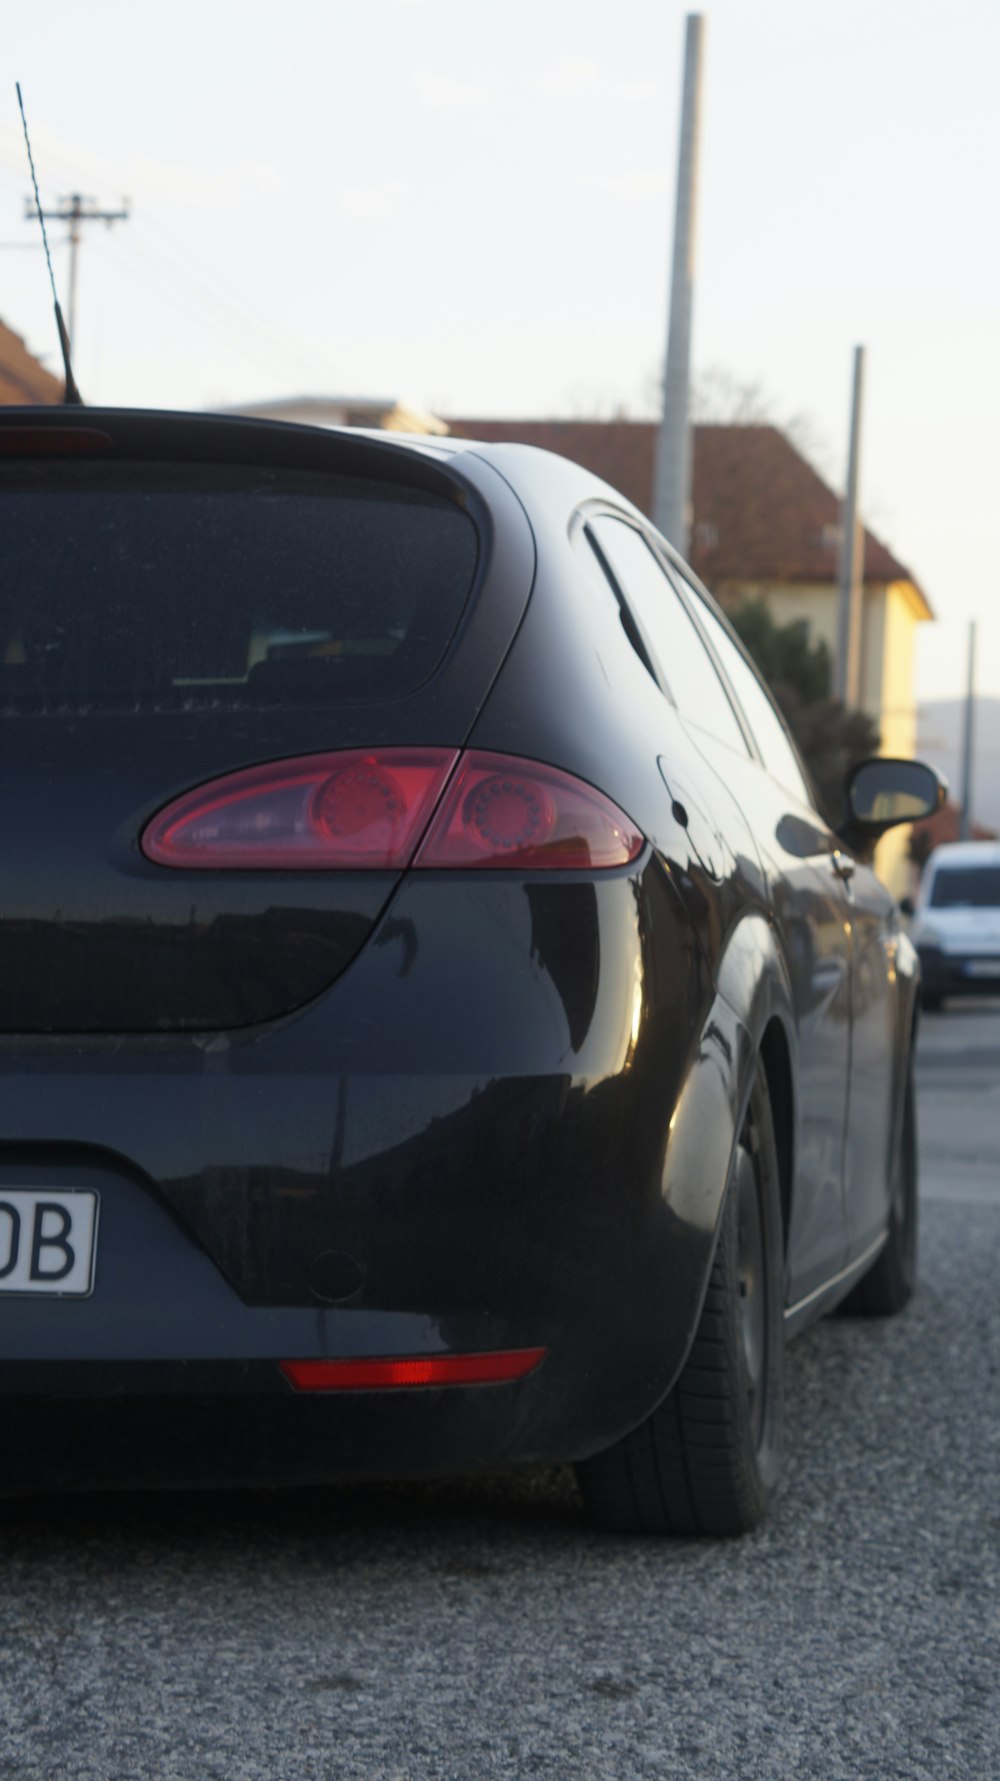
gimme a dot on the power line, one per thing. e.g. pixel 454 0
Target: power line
pixel 76 209
pixel 222 292
pixel 197 279
pixel 179 285
pixel 186 301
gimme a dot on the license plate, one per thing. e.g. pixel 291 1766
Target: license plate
pixel 982 968
pixel 48 1241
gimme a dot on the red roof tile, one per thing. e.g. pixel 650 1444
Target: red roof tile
pixel 22 378
pixel 761 512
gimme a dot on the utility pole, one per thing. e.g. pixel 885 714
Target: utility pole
pixel 75 210
pixel 852 558
pixel 965 828
pixel 672 477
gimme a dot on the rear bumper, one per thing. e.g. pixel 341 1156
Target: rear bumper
pixel 462 1147
pixel 224 1427
pixel 164 1374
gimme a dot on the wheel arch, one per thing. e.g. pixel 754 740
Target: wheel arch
pixel 749 1023
pixel 906 981
pixel 745 1034
pixel 776 1059
pixel 753 978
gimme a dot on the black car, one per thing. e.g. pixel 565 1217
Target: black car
pixel 439 1029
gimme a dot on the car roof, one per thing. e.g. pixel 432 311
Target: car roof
pixel 964 853
pixel 525 467
pixel 534 474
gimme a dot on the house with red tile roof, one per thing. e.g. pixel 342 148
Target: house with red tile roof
pixel 766 526
pixel 22 378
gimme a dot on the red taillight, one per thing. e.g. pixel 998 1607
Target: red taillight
pixel 383 809
pixel 356 808
pixel 501 811
pixel 411 1370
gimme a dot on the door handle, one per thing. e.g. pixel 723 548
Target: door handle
pixel 843 865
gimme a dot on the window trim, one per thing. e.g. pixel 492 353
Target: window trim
pixel 641 643
pixel 691 591
pixel 629 622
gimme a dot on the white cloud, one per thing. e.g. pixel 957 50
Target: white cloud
pixel 581 77
pixel 570 77
pixel 177 179
pixel 375 202
pixel 446 94
pixel 65 166
pixel 637 185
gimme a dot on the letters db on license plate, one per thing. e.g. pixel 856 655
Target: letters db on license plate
pixel 48 1241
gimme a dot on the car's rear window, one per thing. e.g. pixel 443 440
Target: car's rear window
pixel 966 887
pixel 143 587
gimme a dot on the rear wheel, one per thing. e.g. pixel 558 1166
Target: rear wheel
pixel 708 1457
pixel 890 1282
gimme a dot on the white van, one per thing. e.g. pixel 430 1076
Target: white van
pixel 956 922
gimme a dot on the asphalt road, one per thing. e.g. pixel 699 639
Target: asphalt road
pixel 478 1631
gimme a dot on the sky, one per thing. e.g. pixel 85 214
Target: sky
pixel 468 204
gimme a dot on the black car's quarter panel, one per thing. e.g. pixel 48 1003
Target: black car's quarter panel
pixel 808 905
pixel 878 1048
pixel 748 850
pixel 774 860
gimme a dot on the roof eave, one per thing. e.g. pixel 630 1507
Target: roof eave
pixel 914 597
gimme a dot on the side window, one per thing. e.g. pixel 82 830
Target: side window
pixel 778 755
pixel 667 628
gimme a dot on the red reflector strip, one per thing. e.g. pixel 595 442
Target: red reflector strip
pixel 410 1370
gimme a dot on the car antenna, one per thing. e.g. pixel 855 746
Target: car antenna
pixel 71 394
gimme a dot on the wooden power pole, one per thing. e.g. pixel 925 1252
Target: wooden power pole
pixel 76 210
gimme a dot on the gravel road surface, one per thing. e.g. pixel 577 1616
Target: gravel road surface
pixel 469 1631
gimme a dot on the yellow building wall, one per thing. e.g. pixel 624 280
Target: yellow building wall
pixel 897 718
pixel 899 704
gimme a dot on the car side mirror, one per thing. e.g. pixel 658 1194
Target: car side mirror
pixel 882 792
pixel 906 906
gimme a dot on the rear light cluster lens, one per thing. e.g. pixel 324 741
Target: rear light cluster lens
pixel 498 811
pixel 385 809
pixel 354 808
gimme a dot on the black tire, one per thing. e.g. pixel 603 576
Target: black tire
pixel 891 1281
pixel 707 1459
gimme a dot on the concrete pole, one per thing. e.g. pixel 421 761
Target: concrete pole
pixel 672 476
pixel 852 558
pixel 965 828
